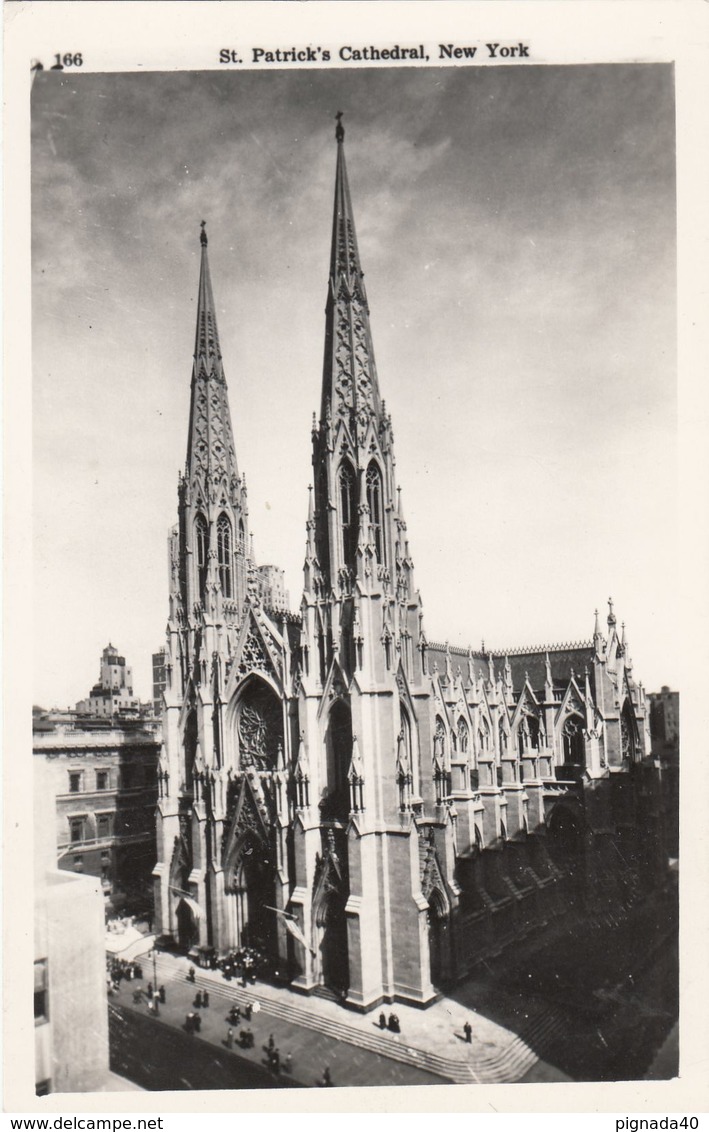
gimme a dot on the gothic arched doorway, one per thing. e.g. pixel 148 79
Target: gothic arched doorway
pixel 334 957
pixel 252 888
pixel 438 942
pixel 330 895
pixel 187 928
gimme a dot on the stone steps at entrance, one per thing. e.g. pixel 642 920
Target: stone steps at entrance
pixel 458 1072
pixel 503 1066
pixel 522 1053
pixel 326 993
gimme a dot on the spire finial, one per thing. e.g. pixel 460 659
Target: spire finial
pixel 203 233
pixel 339 129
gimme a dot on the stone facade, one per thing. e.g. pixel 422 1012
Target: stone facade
pixel 376 812
pixel 70 1015
pixel 103 789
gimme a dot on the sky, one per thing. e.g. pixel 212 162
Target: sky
pixel 517 231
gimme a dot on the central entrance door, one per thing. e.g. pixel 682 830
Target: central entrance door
pixel 254 893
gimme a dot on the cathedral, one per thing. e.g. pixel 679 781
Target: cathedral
pixel 374 812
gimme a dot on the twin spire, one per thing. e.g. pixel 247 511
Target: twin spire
pixel 350 385
pixel 350 388
pixel 344 255
pixel 210 446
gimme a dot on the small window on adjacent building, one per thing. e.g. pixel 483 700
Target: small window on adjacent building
pixel 41 992
pixel 76 829
pixel 102 780
pixel 104 824
pixel 75 782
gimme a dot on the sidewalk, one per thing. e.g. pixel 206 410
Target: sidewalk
pixel 319 1032
pixel 311 1050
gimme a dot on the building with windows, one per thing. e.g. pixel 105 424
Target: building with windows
pixel 103 786
pixel 376 812
pixel 70 1015
pixel 158 659
pixel 113 694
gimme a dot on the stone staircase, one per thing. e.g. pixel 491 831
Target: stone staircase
pixel 502 1066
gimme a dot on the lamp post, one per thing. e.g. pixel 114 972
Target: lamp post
pixel 156 996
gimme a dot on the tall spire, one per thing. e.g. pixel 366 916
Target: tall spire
pixel 210 445
pixel 350 385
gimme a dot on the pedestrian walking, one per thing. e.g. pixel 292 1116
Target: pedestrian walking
pixel 468 1031
pixel 326 1078
pixel 271 1043
pixel 248 1011
pixel 190 975
pixel 230 1038
pixel 161 994
pixel 198 999
pixel 382 1021
pixel 288 1063
pixel 149 990
pixel 205 998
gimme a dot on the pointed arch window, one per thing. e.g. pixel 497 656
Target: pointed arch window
pixel 202 541
pixel 573 742
pixel 348 514
pixel 405 761
pixel 224 555
pixel 462 736
pixel 628 737
pixel 374 501
pixel 484 735
pixel 503 738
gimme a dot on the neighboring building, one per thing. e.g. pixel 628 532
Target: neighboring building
pixel 104 789
pixel 664 729
pixel 113 694
pixel 70 1015
pixel 377 813
pixel 159 681
pixel 271 587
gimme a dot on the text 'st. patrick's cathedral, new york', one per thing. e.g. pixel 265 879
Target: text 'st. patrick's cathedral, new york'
pixel 375 813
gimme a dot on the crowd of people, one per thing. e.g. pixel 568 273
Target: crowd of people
pixel 243 963
pixel 119 969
